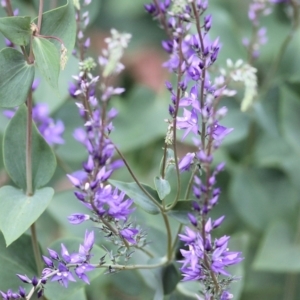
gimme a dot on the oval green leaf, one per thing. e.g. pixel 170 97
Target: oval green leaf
pixel 43 158
pixel 18 258
pixel 47 59
pixel 16 29
pixel 162 187
pixel 258 194
pixel 15 79
pixel 133 191
pixel 274 258
pixel 60 22
pixel 180 212
pixel 19 211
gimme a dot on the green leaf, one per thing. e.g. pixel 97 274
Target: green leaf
pixel 16 29
pixel 19 211
pixel 47 59
pixel 15 79
pixel 60 22
pixel 54 290
pixel 14 151
pixel 133 191
pixel 18 258
pixel 278 252
pixel 141 111
pixel 170 276
pixel 180 210
pixel 261 196
pixel 162 187
pixel 290 120
pixel 169 163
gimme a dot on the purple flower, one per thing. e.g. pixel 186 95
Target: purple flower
pixel 128 234
pixel 78 218
pixel 63 276
pixel 186 162
pixel 189 121
pixel 51 131
pixel 218 131
pixel 81 269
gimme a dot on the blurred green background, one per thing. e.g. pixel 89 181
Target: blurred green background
pixel 261 184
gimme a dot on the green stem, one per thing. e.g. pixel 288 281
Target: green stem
pixel 36 249
pixel 133 175
pixel 147 252
pixel 9 9
pixel 40 16
pixel 169 236
pixel 29 191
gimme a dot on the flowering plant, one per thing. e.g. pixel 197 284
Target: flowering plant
pixel 71 122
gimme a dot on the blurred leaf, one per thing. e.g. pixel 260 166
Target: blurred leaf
pixel 63 205
pixel 60 22
pixel 261 196
pixel 133 191
pixel 169 164
pixel 140 112
pixel 278 252
pixel 18 258
pixel 54 290
pixel 16 29
pixel 290 111
pixel 162 187
pixel 17 74
pixel 170 276
pixel 239 242
pixel 14 150
pixel 237 120
pixel 46 94
pixel 71 150
pixel 19 211
pixel 180 210
pixel 267 111
pixel 47 59
pixel 271 151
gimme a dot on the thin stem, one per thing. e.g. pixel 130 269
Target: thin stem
pixel 40 16
pixel 9 8
pixel 169 236
pixel 36 249
pixel 29 191
pixel 176 238
pixel 131 267
pixel 110 267
pixel 147 252
pixel 175 121
pixel 162 171
pixel 133 175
